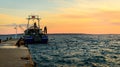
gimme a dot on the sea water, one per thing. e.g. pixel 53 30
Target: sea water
pixel 81 50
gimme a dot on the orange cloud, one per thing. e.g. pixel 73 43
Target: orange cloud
pixel 9 19
pixel 6 24
pixel 103 22
pixel 100 21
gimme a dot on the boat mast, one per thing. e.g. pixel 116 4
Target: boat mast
pixel 33 17
pixel 38 20
pixel 16 31
pixel 28 21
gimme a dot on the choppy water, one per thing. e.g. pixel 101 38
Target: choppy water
pixel 78 51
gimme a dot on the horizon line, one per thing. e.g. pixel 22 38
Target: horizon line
pixel 73 33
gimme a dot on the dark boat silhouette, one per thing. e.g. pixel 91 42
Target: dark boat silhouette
pixel 34 34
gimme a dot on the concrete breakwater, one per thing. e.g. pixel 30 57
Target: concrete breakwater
pixel 10 55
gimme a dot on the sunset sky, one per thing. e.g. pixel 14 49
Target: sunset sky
pixel 63 16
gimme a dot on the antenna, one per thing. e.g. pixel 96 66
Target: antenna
pixel 15 30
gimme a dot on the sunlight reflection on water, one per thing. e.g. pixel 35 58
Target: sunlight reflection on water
pixel 78 51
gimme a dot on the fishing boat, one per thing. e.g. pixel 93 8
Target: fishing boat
pixel 34 33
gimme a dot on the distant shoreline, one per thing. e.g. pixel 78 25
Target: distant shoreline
pixel 63 34
pixel 78 34
pixel 10 34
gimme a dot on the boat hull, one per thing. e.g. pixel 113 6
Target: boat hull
pixel 36 39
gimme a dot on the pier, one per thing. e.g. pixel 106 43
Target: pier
pixel 11 55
